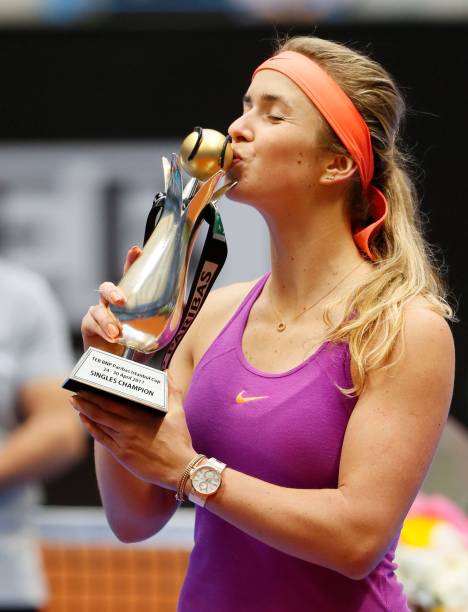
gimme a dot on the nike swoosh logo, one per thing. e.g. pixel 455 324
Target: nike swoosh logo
pixel 241 399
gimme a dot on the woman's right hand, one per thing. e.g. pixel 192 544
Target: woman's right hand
pixel 99 328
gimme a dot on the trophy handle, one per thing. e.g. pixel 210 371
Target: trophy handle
pixel 154 215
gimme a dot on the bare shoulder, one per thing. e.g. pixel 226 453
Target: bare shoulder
pixel 425 349
pixel 424 354
pixel 425 329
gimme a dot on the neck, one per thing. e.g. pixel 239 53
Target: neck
pixel 311 251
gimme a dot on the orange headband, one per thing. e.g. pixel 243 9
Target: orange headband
pixel 347 123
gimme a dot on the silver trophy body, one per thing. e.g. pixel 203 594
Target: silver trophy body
pixel 155 288
pixel 155 284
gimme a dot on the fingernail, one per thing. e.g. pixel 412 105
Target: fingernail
pixel 73 402
pixel 112 330
pixel 116 296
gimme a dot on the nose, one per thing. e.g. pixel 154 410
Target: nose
pixel 240 130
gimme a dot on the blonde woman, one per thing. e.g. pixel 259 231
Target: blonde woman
pixel 305 406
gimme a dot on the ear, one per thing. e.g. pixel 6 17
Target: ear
pixel 338 169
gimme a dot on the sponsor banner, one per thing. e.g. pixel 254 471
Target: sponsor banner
pixel 209 268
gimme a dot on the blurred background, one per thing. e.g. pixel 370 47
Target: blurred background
pixel 94 92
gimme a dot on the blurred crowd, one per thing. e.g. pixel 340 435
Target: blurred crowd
pixel 278 10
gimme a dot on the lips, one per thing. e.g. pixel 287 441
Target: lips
pixel 236 156
pixel 236 159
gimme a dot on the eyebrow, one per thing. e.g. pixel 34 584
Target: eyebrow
pixel 270 98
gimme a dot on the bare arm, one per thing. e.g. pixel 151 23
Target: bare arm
pixel 388 446
pixel 49 439
pixel 135 509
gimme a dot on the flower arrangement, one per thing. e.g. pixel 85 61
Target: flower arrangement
pixel 432 556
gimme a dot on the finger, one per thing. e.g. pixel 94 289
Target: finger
pixel 101 321
pixel 90 327
pixel 107 430
pixel 111 294
pixel 97 415
pixel 109 405
pixel 132 255
pixel 100 434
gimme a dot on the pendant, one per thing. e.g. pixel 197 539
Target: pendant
pixel 280 326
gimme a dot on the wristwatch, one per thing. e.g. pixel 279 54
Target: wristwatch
pixel 205 480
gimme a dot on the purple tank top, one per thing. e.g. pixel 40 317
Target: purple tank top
pixel 290 436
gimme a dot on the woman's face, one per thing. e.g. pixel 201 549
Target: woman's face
pixel 278 151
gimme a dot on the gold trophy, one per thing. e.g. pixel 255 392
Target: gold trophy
pixel 157 312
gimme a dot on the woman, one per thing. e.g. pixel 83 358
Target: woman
pixel 323 386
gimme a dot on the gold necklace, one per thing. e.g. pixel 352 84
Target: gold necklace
pixel 281 325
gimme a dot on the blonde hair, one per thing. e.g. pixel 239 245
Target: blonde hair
pixel 405 264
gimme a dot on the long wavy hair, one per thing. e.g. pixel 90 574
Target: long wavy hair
pixel 405 265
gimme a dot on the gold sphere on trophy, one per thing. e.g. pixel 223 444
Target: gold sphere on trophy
pixel 204 152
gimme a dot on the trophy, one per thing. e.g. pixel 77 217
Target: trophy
pixel 157 313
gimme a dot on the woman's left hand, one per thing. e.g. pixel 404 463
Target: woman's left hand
pixel 154 448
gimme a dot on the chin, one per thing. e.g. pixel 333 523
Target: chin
pixel 244 193
pixel 236 193
pixel 242 198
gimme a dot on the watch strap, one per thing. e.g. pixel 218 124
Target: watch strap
pixel 200 498
pixel 218 465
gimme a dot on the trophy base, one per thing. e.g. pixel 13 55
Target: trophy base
pixel 120 378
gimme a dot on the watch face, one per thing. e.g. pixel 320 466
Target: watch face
pixel 206 480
